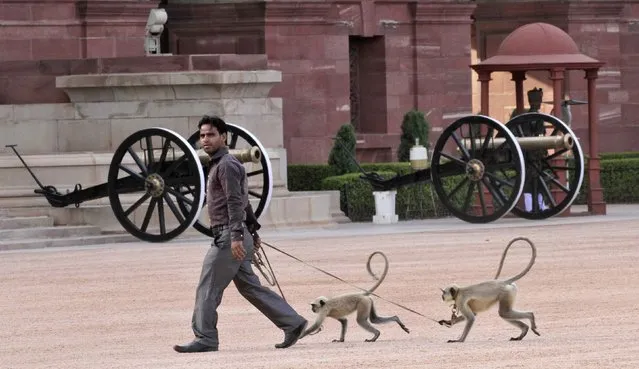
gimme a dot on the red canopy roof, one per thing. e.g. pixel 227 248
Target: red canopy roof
pixel 537 46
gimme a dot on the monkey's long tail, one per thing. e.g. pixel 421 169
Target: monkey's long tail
pixel 342 280
pixel 530 263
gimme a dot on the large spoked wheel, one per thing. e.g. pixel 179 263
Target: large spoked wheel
pixel 553 176
pixel 260 175
pixel 477 177
pixel 146 172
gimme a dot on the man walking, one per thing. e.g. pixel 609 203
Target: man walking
pixel 229 258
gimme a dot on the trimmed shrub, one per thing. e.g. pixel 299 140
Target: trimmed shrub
pixel 414 126
pixel 342 154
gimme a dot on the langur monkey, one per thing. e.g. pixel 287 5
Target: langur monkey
pixel 469 301
pixel 340 306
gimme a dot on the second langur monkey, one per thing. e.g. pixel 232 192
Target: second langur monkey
pixel 468 301
pixel 340 306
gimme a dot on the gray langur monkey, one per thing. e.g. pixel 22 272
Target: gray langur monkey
pixel 338 307
pixel 470 300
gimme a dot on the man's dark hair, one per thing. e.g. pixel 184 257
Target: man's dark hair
pixel 215 121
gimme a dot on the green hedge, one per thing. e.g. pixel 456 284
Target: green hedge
pixel 308 177
pixel 619 180
pixel 358 203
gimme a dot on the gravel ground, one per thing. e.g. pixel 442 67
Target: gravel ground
pixel 126 305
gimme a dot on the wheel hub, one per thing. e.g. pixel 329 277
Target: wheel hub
pixel 154 185
pixel 475 170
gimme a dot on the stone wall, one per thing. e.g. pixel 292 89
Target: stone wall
pixel 419 56
pixel 71 29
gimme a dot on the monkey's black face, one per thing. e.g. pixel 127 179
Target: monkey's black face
pixel 449 293
pixel 318 303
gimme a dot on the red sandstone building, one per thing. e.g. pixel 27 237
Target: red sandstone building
pixel 367 62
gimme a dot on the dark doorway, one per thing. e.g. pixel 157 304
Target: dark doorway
pixel 368 84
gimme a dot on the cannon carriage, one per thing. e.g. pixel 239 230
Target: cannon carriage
pixel 156 182
pixel 479 169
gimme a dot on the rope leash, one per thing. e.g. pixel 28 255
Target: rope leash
pixel 342 280
pixel 268 274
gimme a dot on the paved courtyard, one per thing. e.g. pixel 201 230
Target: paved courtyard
pixel 125 305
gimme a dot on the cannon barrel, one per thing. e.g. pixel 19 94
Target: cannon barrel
pixel 250 155
pixel 527 143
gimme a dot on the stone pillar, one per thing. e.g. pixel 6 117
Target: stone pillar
pixel 484 79
pixel 519 78
pixel 557 78
pixel 442 39
pixel 596 204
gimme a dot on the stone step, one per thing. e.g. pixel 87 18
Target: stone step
pixel 49 232
pixel 26 222
pixel 286 210
pixel 39 243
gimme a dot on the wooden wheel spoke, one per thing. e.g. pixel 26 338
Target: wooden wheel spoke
pixel 149 150
pixel 234 138
pixel 561 167
pixel 165 151
pixel 255 173
pixel 179 196
pixel 255 194
pixel 136 204
pixel 556 154
pixel 500 181
pixel 560 185
pixel 461 147
pixel 489 137
pixel 482 200
pixel 454 159
pixel 458 187
pixel 132 173
pixel 473 150
pixel 497 194
pixel 138 161
pixel 147 216
pixel 469 196
pixel 161 219
pixel 176 212
pixel 548 194
pixel 174 165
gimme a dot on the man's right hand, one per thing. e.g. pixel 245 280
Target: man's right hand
pixel 257 242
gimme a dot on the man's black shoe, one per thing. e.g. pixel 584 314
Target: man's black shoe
pixel 194 347
pixel 292 336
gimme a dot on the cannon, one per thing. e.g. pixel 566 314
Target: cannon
pixel 480 167
pixel 156 182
